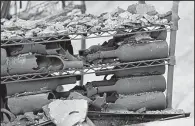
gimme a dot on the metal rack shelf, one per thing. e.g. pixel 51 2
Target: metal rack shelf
pixel 173 27
pixel 84 35
pixel 87 34
pixel 85 70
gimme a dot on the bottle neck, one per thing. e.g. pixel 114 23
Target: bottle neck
pixel 106 89
pixel 109 54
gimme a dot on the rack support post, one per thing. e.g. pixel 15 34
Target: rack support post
pixel 173 33
pixel 83 41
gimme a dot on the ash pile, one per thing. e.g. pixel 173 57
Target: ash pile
pixel 129 90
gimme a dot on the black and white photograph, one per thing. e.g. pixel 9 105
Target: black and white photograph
pixel 97 63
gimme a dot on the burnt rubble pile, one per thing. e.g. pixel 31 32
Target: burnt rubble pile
pixel 129 90
pixel 82 23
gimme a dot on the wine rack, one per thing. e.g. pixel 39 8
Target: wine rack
pixel 105 67
pixel 85 70
pixel 170 61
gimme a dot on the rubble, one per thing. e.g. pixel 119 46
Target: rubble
pixel 113 20
pixel 98 103
pixel 67 112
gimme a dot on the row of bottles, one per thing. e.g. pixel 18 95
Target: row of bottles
pixel 137 92
pixel 149 81
pixel 136 88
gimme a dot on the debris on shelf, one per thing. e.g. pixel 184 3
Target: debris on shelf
pixel 142 9
pixel 98 103
pixel 82 23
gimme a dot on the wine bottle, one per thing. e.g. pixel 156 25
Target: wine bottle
pixel 30 103
pixel 19 65
pixel 128 53
pixel 38 85
pixel 73 64
pixel 142 71
pixel 133 85
pixel 151 101
pixel 36 64
pixel 58 63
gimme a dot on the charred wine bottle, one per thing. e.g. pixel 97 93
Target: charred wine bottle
pixel 30 103
pixel 23 64
pixel 38 85
pixel 136 52
pixel 133 85
pixel 151 101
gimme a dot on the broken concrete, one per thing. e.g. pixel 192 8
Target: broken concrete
pixel 67 112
